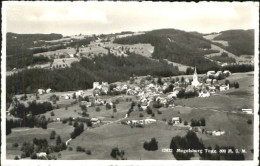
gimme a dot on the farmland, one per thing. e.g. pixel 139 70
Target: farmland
pixel 221 112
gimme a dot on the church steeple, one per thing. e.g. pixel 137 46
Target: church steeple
pixel 195 81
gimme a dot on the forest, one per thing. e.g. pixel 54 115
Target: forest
pixel 241 42
pixel 177 46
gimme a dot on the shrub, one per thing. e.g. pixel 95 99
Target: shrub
pixel 98 109
pixel 15 145
pixel 52 113
pixel 16 158
pixel 151 146
pixel 64 121
pixel 70 148
pixel 34 156
pixel 80 149
pixel 149 110
pixel 52 136
pixel 236 85
pixel 141 115
pixel 249 121
pixel 88 152
pixel 185 123
pixel 159 112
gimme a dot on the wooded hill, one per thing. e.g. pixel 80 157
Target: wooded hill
pixel 82 74
pixel 241 42
pixel 176 46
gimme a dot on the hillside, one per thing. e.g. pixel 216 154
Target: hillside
pixel 176 46
pixel 21 47
pixel 240 42
pixel 82 74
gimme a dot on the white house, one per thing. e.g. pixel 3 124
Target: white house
pixel 175 120
pixel 48 90
pixel 96 85
pixel 41 91
pixel 247 111
pixel 209 73
pixel 227 72
pixel 79 93
pixel 204 94
pixel 148 121
pixel 224 87
pixel 218 133
pixel 41 155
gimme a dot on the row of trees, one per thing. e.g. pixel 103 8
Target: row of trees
pixel 201 122
pixel 78 129
pixel 41 145
pixel 27 121
pixel 34 108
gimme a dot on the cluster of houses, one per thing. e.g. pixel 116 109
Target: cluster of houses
pixel 139 123
pixel 42 91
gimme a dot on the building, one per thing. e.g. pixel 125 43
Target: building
pixel 247 111
pixel 176 120
pixel 41 91
pixel 195 81
pixel 224 87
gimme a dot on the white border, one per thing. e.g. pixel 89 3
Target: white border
pixel 5 162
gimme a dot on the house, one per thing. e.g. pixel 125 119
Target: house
pixel 224 87
pixel 210 73
pixel 48 90
pixel 41 91
pixel 79 93
pixel 175 120
pixel 247 111
pixel 96 85
pixel 41 155
pixel 218 133
pixel 208 81
pixel 212 89
pixel 95 120
pixel 204 94
pixel 148 121
pixel 227 73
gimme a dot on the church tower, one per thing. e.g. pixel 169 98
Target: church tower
pixel 195 81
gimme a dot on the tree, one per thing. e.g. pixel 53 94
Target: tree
pixel 53 134
pixel 152 145
pixel 58 140
pixel 159 81
pixel 202 122
pixel 182 79
pixel 236 85
pixel 98 109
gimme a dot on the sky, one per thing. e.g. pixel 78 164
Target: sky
pixel 87 18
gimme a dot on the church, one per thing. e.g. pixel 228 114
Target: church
pixel 195 81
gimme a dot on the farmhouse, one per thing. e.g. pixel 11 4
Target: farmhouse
pixel 41 155
pixel 204 94
pixel 48 90
pixel 41 91
pixel 247 111
pixel 175 120
pixel 224 87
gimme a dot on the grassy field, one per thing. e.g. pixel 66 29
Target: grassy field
pixel 25 134
pixel 101 141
